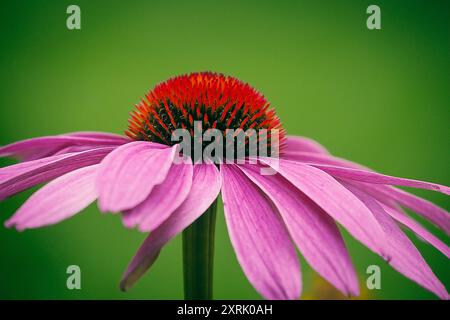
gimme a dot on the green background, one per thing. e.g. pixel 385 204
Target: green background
pixel 378 97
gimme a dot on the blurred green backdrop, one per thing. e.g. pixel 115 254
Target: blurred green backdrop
pixel 377 97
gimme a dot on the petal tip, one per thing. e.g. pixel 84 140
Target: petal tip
pixel 124 285
pixel 9 223
pixel 106 207
pixel 144 228
pixel 353 292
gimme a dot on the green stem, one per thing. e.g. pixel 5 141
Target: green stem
pixel 198 256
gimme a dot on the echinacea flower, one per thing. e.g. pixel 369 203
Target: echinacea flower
pixel 268 216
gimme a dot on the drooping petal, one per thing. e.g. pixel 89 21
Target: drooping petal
pixel 332 166
pixel 73 149
pixel 36 148
pixel 319 158
pixel 206 183
pixel 313 230
pixel 302 144
pixel 163 200
pixel 58 200
pixel 377 178
pixel 105 136
pixel 259 237
pixel 102 137
pixel 405 257
pixel 387 194
pixel 334 199
pixel 9 172
pixel 129 173
pixel 418 229
pixel 19 177
pixel 393 209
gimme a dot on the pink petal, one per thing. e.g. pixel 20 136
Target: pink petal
pixel 58 200
pixel 405 257
pixel 302 144
pixel 129 173
pixel 41 147
pixel 428 210
pixel 259 237
pixel 393 209
pixel 206 185
pixel 418 229
pixel 163 200
pixel 19 177
pixel 336 200
pixel 73 149
pixel 11 171
pixel 377 178
pixel 317 158
pixel 313 230
pixel 105 136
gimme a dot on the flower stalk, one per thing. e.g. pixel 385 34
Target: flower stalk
pixel 198 256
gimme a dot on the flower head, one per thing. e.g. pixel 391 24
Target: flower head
pixel 268 216
pixel 217 101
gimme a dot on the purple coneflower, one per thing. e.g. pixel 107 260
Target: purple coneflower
pixel 268 216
